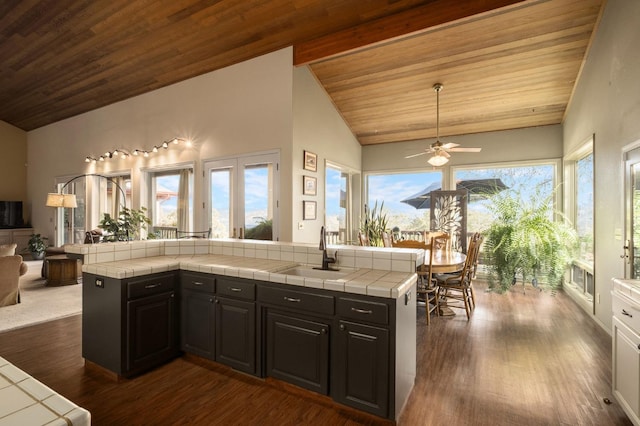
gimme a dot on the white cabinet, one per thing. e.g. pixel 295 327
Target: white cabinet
pixel 20 236
pixel 626 369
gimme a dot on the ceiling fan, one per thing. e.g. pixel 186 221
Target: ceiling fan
pixel 441 150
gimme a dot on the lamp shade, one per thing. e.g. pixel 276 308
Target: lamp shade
pixel 438 160
pixel 61 200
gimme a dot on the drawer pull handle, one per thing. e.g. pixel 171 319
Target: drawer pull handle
pixel 291 299
pixel 152 285
pixel 236 289
pixel 197 283
pixel 627 313
pixel 362 311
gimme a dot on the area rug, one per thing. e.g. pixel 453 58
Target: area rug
pixel 39 303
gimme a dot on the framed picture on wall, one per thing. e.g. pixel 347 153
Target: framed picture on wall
pixel 309 210
pixel 310 161
pixel 309 185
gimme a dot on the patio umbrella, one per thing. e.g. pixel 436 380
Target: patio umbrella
pixel 478 188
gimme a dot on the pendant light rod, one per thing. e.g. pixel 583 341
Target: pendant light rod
pixel 438 87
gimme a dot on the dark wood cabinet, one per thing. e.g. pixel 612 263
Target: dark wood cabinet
pixel 129 325
pixel 236 334
pixel 362 367
pixel 152 330
pixel 197 323
pixel 297 351
pixel 218 319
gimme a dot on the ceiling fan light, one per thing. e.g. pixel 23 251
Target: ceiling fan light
pixel 438 160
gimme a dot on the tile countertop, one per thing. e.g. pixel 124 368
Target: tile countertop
pixel 372 282
pixel 26 401
pixel 630 288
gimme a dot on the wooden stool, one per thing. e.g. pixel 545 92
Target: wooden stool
pixel 63 270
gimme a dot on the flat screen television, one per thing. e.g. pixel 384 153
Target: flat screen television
pixel 11 214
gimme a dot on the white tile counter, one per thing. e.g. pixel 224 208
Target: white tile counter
pixel 374 271
pixel 26 401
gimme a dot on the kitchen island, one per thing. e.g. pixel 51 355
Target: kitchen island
pixel 260 308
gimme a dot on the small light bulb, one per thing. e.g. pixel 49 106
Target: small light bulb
pixel 165 145
pixel 87 160
pixel 155 149
pixel 135 152
pixel 189 143
pixel 146 154
pixel 101 158
pixel 175 141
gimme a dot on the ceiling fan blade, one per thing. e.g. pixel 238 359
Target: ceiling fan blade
pixel 444 153
pixel 450 145
pixel 417 155
pixel 465 149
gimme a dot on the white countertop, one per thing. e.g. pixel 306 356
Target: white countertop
pixel 26 401
pixel 630 288
pixel 372 282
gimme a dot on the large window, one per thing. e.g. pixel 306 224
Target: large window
pixel 400 193
pixel 528 182
pixel 584 207
pixel 171 201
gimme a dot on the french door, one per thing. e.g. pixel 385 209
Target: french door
pixel 632 213
pixel 242 196
pixel 70 223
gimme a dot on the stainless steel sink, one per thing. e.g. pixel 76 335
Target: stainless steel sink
pixel 309 272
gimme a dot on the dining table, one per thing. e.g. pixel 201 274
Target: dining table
pixel 446 261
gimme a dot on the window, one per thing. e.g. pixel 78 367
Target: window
pixel 405 218
pixel 171 201
pixel 526 181
pixel 579 209
pixel 340 190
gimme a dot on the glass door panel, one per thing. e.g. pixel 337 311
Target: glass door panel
pixel 258 202
pixel 631 245
pixel 221 203
pixel 242 194
pixel 70 223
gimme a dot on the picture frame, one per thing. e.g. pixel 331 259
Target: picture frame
pixel 310 161
pixel 309 185
pixel 309 209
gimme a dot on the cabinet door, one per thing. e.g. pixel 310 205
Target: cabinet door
pixel 236 334
pixel 362 367
pixel 151 331
pixel 197 323
pixel 298 351
pixel 626 369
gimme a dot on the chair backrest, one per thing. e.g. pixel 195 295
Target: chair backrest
pixel 477 238
pixel 194 234
pixel 427 268
pixel 386 239
pixel 411 244
pixel 442 240
pixel 165 232
pixel 363 239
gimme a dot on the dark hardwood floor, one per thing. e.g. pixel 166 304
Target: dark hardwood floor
pixel 522 359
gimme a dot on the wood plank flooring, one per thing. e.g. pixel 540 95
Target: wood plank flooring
pixel 522 359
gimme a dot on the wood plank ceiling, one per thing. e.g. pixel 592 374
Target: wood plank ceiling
pixel 504 63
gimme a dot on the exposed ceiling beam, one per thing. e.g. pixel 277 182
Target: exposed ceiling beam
pixel 389 28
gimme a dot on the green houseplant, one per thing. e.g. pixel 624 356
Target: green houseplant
pixel 126 226
pixel 36 246
pixel 374 223
pixel 525 241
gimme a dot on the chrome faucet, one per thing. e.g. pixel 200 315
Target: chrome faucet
pixel 326 259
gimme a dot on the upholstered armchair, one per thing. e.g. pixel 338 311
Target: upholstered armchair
pixel 11 269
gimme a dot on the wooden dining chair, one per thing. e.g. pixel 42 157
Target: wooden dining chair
pixel 363 239
pixel 386 239
pixel 442 239
pixel 455 289
pixel 427 289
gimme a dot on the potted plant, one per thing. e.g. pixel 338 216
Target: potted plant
pixel 374 224
pixel 37 246
pixel 525 241
pixel 126 226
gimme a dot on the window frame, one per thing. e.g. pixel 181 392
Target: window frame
pixel 167 169
pixel 353 197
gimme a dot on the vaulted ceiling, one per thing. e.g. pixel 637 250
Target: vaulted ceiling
pixel 504 64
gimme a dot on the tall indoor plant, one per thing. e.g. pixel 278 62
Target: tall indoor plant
pixel 373 224
pixel 526 241
pixel 126 226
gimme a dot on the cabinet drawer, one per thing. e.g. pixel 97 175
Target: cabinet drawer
pixel 363 310
pixel 309 302
pixel 626 311
pixel 199 282
pixel 147 286
pixel 238 288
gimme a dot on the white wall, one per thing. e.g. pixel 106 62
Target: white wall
pixel 236 110
pixel 319 128
pixel 533 143
pixel 13 165
pixel 607 103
